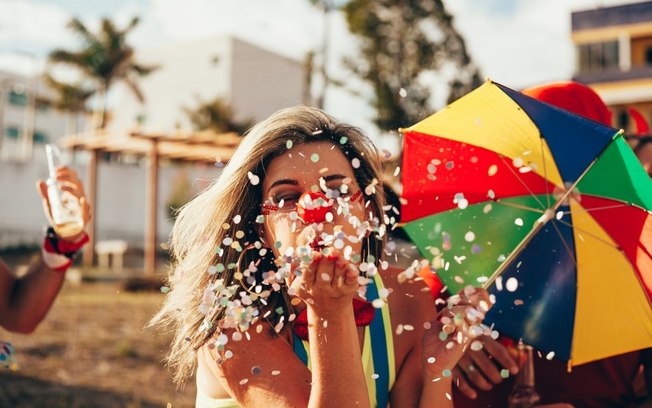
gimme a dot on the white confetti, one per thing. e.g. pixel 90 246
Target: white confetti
pixel 253 179
pixel 512 284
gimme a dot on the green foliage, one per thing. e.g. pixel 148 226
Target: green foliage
pixel 179 196
pixel 402 42
pixel 70 97
pixel 104 57
pixel 216 115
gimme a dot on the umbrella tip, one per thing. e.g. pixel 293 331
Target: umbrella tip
pixel 488 80
pixel 621 132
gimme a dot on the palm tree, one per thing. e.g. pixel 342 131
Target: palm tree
pixel 217 115
pixel 105 58
pixel 70 98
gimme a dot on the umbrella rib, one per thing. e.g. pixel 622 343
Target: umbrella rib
pixel 563 241
pixel 536 197
pixel 545 170
pixel 583 231
pixel 519 206
pixel 547 215
pixel 606 207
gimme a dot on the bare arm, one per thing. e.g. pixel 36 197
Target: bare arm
pixel 337 377
pixel 24 302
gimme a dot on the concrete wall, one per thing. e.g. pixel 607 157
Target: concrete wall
pixel 263 82
pixel 254 81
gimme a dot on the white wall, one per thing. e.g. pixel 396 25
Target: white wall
pixel 254 81
pixel 263 82
pixel 186 71
pixel 120 213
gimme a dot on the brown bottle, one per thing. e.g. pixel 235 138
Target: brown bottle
pixel 524 393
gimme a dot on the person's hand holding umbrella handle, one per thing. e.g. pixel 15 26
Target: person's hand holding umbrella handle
pixel 480 370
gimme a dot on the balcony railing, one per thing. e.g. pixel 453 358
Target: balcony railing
pixel 614 75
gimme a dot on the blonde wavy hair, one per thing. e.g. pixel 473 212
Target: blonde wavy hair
pixel 201 224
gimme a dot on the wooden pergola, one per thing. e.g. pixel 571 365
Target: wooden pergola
pixel 203 146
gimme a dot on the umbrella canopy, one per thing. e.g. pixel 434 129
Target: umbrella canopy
pixel 553 207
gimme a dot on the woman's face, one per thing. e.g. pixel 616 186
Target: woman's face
pixel 313 167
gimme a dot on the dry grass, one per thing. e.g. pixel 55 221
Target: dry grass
pixel 93 350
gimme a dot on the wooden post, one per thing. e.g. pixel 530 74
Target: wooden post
pixel 151 216
pixel 91 192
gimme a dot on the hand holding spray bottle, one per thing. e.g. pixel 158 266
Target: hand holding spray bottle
pixel 64 206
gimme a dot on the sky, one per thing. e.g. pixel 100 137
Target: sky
pixel 515 42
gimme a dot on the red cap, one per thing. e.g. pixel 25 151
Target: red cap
pixel 573 97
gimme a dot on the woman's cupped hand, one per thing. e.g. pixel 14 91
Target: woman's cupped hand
pixel 453 330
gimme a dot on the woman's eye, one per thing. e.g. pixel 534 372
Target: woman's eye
pixel 287 202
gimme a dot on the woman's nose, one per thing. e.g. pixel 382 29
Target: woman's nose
pixel 313 207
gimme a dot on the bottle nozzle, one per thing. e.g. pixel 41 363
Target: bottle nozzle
pixel 52 153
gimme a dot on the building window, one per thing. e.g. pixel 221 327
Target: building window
pixel 17 98
pixel 40 137
pixel 598 56
pixel 648 56
pixel 12 132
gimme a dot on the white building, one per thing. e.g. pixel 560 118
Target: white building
pixel 255 82
pixel 20 116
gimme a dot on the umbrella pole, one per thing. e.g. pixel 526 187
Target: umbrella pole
pixel 543 220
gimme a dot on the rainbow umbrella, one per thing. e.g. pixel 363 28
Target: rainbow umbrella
pixel 548 209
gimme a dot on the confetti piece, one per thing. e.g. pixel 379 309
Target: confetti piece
pixel 504 373
pixel 519 222
pixel 493 169
pixel 550 355
pixel 512 284
pixel 355 163
pixel 469 236
pixel 314 158
pixel 253 179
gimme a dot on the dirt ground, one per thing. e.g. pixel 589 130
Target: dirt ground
pixel 93 350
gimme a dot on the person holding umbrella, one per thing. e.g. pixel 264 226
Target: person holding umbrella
pixel 610 382
pixel 280 295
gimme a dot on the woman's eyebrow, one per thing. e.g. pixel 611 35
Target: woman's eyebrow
pixel 284 181
pixel 333 177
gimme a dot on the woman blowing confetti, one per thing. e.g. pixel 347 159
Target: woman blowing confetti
pixel 280 295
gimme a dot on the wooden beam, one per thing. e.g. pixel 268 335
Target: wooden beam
pixel 151 210
pixel 91 192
